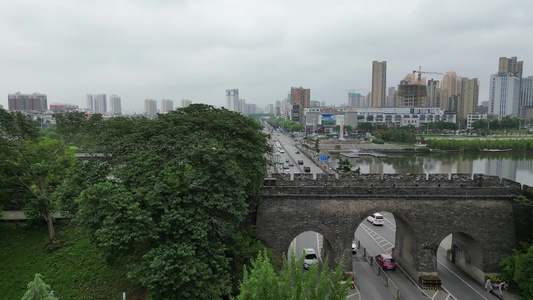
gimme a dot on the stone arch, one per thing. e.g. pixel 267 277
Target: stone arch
pixel 332 245
pixel 467 253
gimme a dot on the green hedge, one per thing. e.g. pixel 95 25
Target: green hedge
pixel 480 144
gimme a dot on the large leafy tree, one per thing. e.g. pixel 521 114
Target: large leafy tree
pixel 32 166
pixel 38 167
pixel 177 190
pixel 262 282
pixel 15 129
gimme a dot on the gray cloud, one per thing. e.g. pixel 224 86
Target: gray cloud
pixel 198 49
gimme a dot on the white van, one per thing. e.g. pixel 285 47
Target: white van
pixel 376 219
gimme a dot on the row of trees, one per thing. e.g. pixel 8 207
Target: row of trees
pixel 289 125
pixel 506 123
pixel 480 144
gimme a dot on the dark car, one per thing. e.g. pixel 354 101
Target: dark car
pixel 386 262
pixel 297 152
pixel 307 169
pixel 300 162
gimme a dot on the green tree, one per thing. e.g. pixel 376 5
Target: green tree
pixel 38 290
pixel 262 282
pixel 38 168
pixel 344 166
pixel 366 126
pixel 517 269
pixel 177 190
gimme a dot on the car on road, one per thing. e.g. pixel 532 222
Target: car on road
pixel 386 262
pixel 297 152
pixel 310 258
pixel 376 219
pixel 287 171
pixel 281 151
pixel 291 165
pixel 307 169
pixel 285 167
pixel 300 162
pixel 286 160
pixel 354 248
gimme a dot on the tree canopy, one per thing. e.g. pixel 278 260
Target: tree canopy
pixel 171 196
pixel 32 166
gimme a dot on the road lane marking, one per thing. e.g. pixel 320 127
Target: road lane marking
pixel 462 280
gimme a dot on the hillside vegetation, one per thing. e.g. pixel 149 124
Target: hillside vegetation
pixel 71 266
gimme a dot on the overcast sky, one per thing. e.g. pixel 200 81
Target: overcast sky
pixel 197 49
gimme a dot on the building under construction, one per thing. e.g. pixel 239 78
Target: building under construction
pixel 412 95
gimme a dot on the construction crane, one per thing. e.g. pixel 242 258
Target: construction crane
pixel 420 81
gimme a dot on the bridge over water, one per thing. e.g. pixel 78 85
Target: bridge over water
pixel 478 210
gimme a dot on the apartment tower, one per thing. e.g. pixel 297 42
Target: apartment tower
pixel 469 97
pixel 232 99
pixel 115 105
pixel 379 83
pixel 150 107
pixel 167 105
pixel 27 102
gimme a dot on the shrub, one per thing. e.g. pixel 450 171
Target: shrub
pixel 422 149
pixel 378 141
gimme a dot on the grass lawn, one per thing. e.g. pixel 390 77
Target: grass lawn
pixel 74 269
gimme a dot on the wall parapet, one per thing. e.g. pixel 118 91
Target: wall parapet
pixel 422 180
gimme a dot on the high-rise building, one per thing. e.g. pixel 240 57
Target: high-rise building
pixel 115 105
pixel 469 98
pixel 510 66
pixel 185 102
pixel 379 83
pixel 232 99
pixel 354 100
pixel 413 95
pixel 504 95
pixel 242 107
pixel 433 89
pixel 27 102
pixel 526 97
pixel 167 105
pixel 451 83
pixel 301 96
pixel 97 103
pixel 390 97
pixel 150 107
pixel 100 103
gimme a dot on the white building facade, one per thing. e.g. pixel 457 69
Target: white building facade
pixel 167 105
pixel 325 119
pixel 115 105
pixel 504 95
pixel 232 100
pixel 150 107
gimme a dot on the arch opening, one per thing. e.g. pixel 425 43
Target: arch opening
pixel 460 251
pixel 315 241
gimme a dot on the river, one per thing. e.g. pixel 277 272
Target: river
pixel 513 166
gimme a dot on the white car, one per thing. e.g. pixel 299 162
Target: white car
pixel 354 248
pixel 310 258
pixel 376 219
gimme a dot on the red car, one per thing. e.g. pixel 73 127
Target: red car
pixel 386 262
